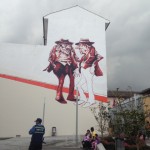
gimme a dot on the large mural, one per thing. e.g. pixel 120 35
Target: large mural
pixel 74 59
pixel 63 61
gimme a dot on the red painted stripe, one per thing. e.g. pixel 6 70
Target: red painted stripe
pixel 45 85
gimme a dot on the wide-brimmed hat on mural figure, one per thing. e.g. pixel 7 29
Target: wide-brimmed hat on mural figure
pixel 62 41
pixel 84 41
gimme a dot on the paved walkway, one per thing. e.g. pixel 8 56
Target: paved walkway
pixel 52 143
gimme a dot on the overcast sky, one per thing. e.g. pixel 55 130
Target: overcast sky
pixel 127 37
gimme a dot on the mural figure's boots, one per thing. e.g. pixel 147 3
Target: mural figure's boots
pixel 82 97
pixel 90 101
pixel 80 102
pixel 71 98
pixel 88 104
pixel 59 96
pixel 61 99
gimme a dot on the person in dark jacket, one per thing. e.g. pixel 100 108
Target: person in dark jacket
pixel 37 132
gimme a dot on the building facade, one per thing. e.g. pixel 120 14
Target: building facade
pixel 30 88
pixel 146 102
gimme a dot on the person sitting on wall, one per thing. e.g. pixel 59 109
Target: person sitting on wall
pixel 108 143
pixel 95 142
pixel 147 127
pixel 86 143
pixel 130 142
pixel 140 140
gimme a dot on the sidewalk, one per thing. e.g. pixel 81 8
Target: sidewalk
pixel 56 142
pixel 53 143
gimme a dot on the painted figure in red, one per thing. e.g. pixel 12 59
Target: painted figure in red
pixel 63 61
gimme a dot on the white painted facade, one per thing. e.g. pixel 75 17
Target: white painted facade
pixel 76 23
pixel 21 103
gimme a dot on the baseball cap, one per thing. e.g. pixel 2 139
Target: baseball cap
pixel 38 120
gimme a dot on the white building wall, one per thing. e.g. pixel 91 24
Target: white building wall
pixel 76 23
pixel 22 103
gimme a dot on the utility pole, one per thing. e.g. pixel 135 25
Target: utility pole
pixel 43 110
pixel 76 116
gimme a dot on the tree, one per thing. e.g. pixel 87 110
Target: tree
pixel 127 116
pixel 102 117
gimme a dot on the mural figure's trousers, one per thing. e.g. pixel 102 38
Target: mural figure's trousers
pixel 86 83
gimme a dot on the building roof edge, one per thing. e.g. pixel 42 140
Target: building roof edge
pixel 108 21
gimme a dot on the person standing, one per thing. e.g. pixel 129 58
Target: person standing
pixel 37 132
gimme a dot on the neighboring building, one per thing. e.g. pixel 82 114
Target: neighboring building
pixel 146 101
pixel 122 100
pixel 113 96
pixel 27 92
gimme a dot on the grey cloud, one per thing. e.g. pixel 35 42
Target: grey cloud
pixel 23 21
pixel 128 47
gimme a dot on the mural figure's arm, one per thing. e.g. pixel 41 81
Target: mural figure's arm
pixel 92 61
pixel 51 59
pixel 89 58
pixel 75 59
pixel 77 71
pixel 97 58
pixel 95 67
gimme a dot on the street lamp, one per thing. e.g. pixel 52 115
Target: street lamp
pixel 76 116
